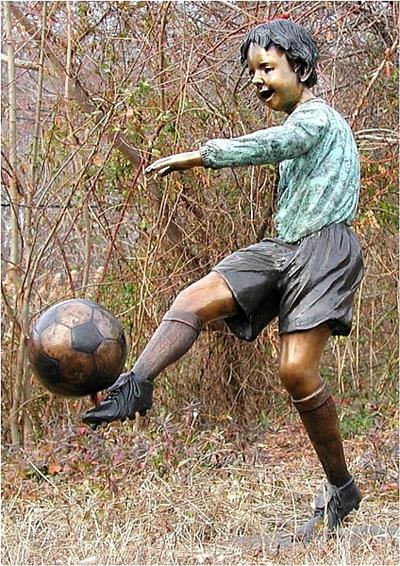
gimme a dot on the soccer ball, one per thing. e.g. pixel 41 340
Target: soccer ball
pixel 77 348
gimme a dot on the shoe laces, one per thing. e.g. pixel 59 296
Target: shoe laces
pixel 119 388
pixel 335 506
pixel 329 502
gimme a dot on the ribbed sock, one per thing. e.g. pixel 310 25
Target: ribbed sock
pixel 319 417
pixel 172 339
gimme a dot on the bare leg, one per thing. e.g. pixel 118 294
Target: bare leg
pixel 204 301
pixel 209 298
pixel 299 370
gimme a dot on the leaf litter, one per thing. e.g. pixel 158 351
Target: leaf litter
pixel 179 494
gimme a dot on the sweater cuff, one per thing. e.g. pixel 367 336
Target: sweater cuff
pixel 208 152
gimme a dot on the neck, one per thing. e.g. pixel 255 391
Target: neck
pixel 305 96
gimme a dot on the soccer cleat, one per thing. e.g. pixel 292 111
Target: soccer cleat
pixel 126 397
pixel 332 505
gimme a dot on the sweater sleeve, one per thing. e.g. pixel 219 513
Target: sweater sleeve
pixel 301 131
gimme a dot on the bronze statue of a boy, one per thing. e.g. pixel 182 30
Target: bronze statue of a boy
pixel 307 276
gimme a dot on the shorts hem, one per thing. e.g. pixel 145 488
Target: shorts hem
pixel 231 290
pixel 338 328
pixel 242 324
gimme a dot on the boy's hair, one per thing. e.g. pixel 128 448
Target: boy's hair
pixel 299 46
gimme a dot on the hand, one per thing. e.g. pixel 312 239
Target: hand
pixel 166 165
pixel 126 398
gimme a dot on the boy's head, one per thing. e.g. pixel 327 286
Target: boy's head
pixel 297 44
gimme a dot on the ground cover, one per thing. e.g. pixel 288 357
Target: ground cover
pixel 179 491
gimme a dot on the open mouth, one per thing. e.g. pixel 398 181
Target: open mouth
pixel 266 93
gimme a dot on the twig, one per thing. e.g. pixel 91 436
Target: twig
pixel 21 63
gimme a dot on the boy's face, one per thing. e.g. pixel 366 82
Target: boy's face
pixel 276 82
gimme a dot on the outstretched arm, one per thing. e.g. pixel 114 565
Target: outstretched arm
pixel 301 131
pixel 166 165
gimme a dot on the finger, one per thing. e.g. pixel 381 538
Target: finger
pixel 157 165
pixel 165 171
pixel 153 170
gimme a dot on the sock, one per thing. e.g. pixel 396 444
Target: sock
pixel 319 417
pixel 172 339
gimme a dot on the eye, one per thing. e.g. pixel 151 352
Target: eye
pixel 267 69
pixel 251 73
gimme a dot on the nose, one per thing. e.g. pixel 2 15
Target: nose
pixel 256 80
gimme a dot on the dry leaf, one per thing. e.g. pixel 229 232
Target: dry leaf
pixel 54 468
pixel 97 160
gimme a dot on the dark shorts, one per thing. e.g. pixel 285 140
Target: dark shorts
pixel 306 283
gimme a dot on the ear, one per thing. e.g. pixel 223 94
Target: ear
pixel 303 71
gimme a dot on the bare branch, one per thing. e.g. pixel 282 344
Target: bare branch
pixel 12 139
pixel 75 89
pixel 21 63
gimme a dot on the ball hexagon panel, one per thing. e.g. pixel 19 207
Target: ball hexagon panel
pixel 73 313
pixel 107 324
pixel 47 370
pixel 86 338
pixel 110 358
pixel 56 340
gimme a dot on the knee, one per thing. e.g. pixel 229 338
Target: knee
pixel 209 298
pixel 298 379
pixel 186 299
pixel 192 300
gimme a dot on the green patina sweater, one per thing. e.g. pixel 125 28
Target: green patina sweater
pixel 319 167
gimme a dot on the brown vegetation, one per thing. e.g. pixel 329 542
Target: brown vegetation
pixel 93 92
pixel 179 494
